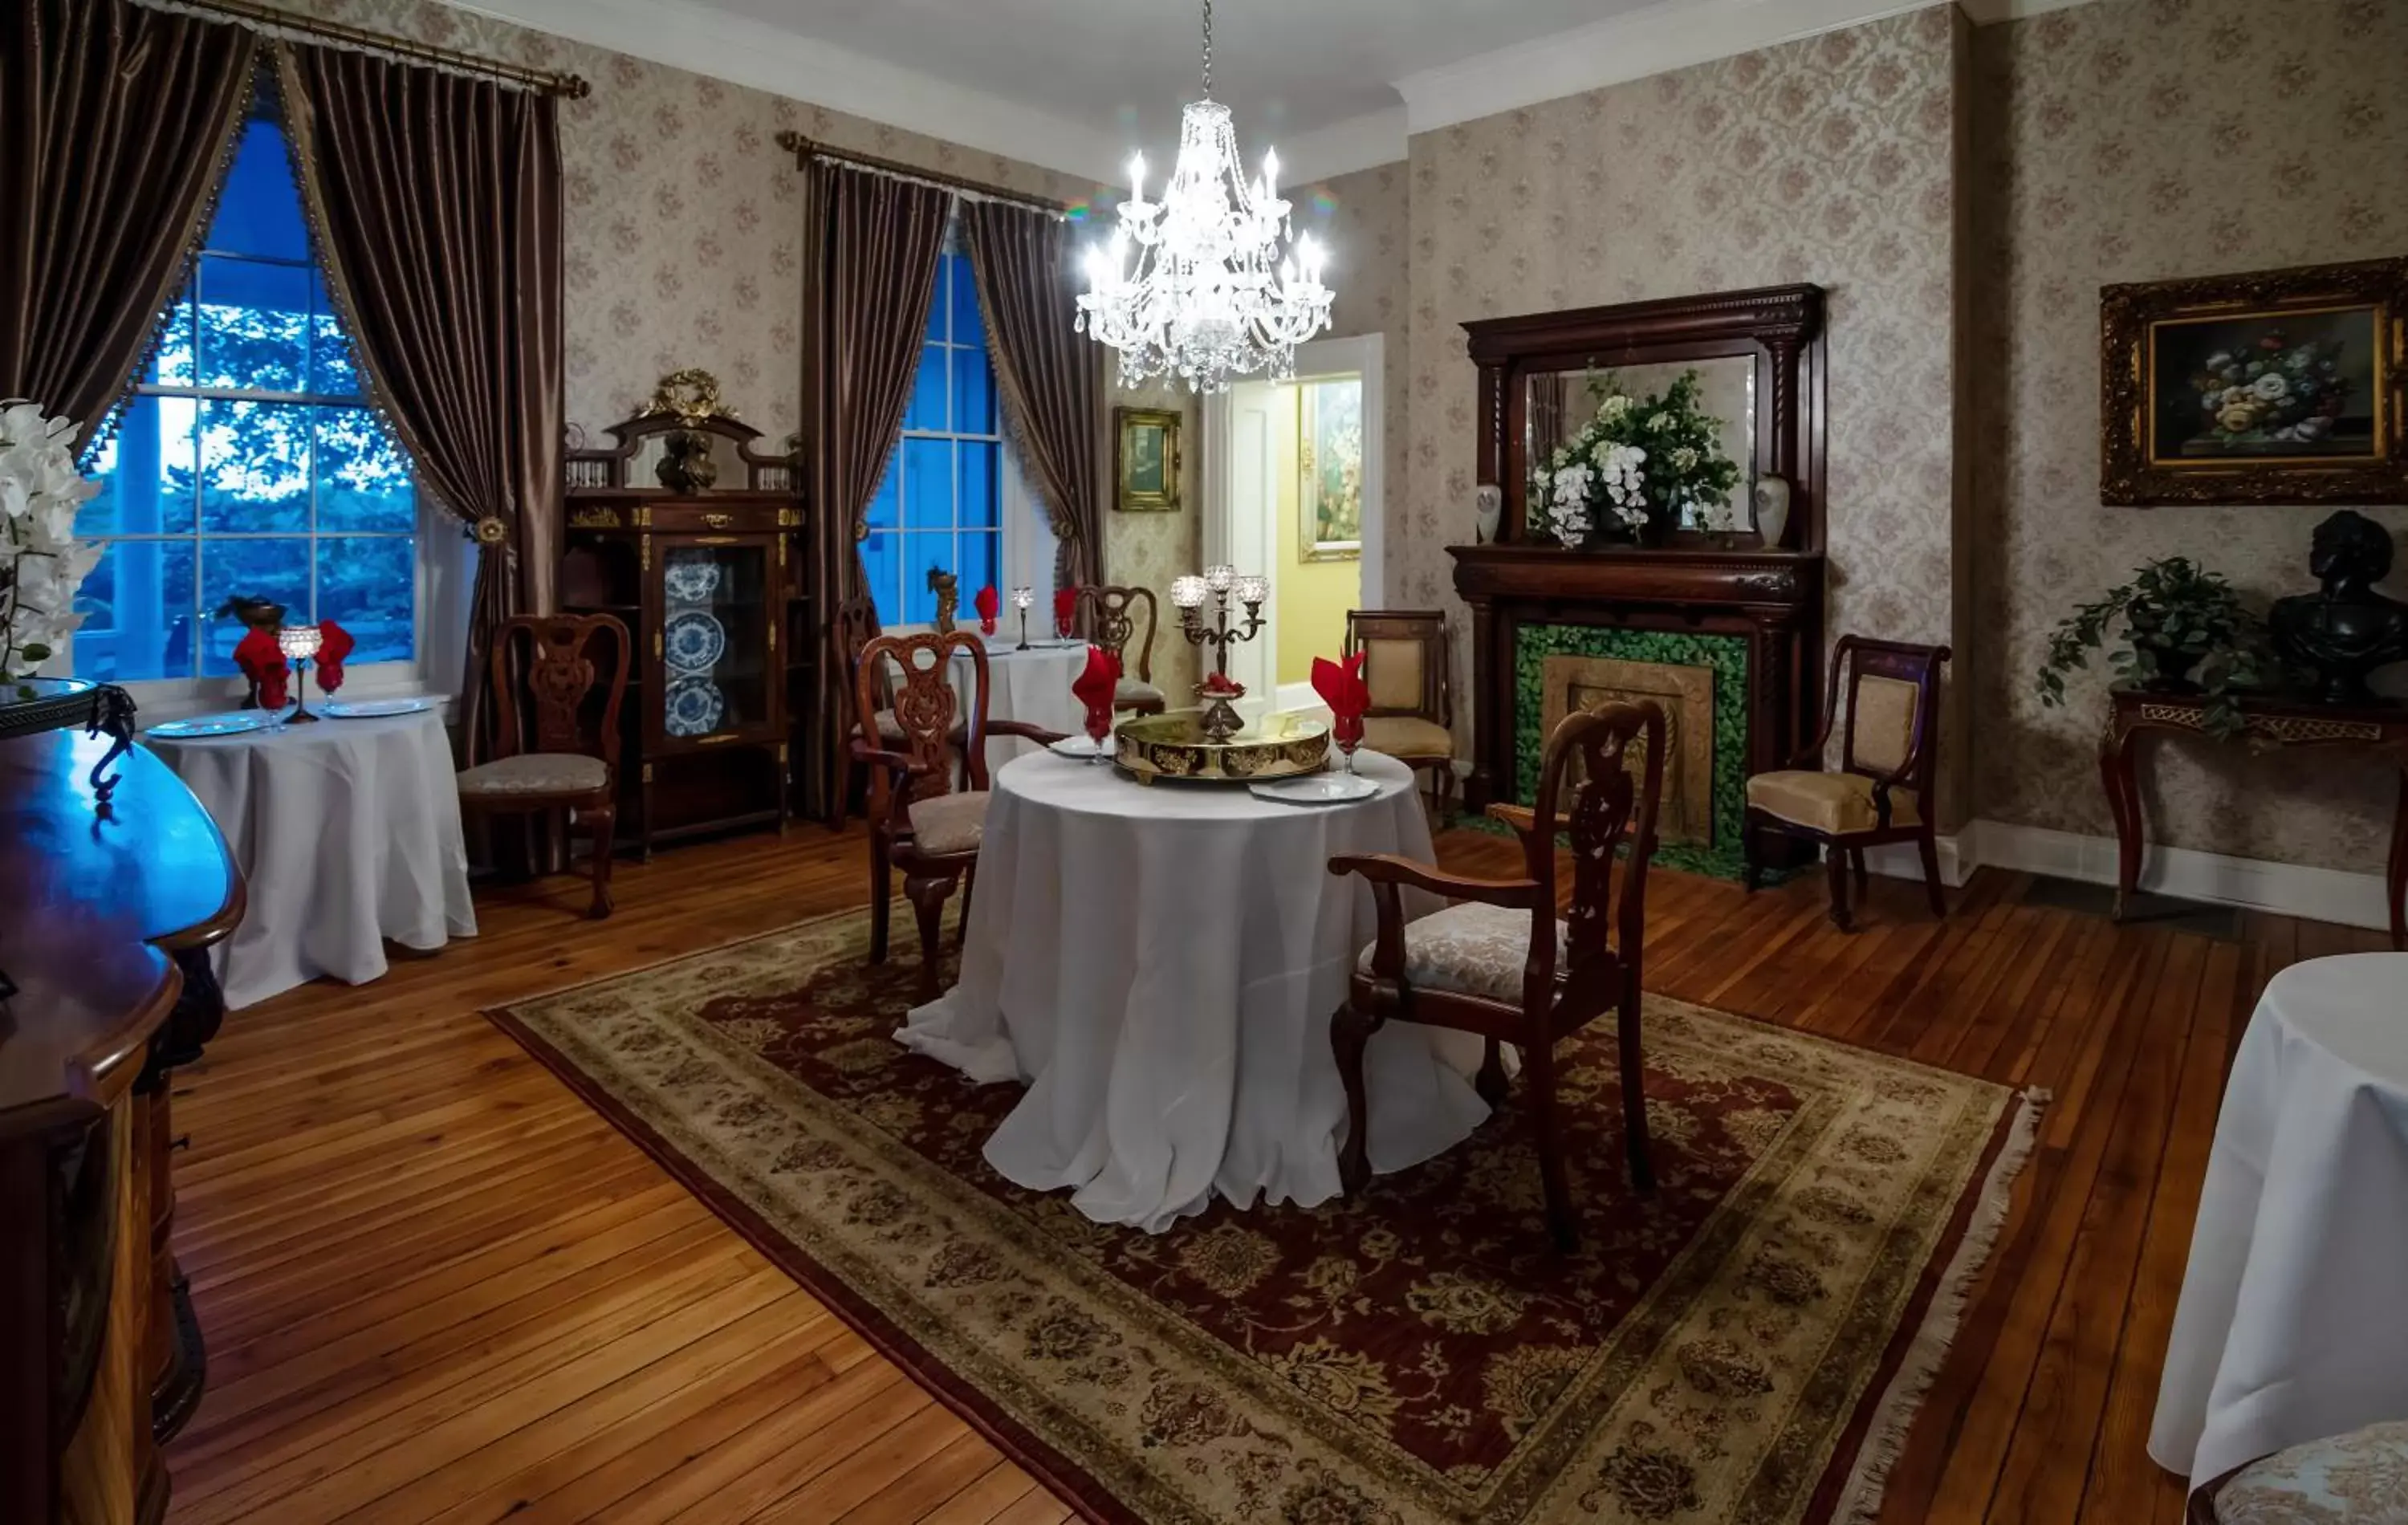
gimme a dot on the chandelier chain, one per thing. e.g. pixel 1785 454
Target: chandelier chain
pixel 1208 50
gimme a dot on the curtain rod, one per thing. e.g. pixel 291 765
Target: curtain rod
pixel 803 147
pixel 569 85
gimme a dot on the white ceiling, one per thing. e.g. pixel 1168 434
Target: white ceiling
pixel 1075 84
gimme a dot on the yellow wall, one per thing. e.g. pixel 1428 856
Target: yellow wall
pixel 1313 595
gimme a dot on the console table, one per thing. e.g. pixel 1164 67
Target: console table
pixel 2279 720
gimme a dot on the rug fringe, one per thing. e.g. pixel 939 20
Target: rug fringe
pixel 1861 1499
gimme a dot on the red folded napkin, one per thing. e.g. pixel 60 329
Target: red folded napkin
pixel 262 661
pixel 1065 610
pixel 1095 687
pixel 335 643
pixel 272 692
pixel 987 604
pixel 1341 687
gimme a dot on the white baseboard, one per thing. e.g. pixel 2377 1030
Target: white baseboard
pixel 2291 889
pixel 1899 860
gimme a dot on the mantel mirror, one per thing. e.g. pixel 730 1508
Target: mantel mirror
pixel 1758 357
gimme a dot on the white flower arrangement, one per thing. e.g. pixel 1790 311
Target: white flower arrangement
pixel 1637 462
pixel 41 562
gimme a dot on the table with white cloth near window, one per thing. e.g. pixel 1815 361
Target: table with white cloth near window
pixel 2293 1323
pixel 1032 686
pixel 1160 964
pixel 349 834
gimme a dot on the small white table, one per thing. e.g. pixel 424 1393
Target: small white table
pixel 1160 965
pixel 348 833
pixel 2293 1323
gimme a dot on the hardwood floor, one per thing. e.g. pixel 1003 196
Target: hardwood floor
pixel 436 1288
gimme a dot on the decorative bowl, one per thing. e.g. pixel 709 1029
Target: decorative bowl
pixel 1173 745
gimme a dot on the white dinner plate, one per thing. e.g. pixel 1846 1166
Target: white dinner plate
pixel 1080 747
pixel 234 722
pixel 1316 789
pixel 370 709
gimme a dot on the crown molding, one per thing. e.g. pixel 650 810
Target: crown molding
pixel 744 51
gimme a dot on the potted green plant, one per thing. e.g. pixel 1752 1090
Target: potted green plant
pixel 2183 630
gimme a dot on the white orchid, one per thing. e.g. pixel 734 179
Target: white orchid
pixel 41 563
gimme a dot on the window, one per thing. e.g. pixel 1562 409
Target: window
pixel 247 461
pixel 951 498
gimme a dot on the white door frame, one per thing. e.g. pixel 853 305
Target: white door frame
pixel 1364 354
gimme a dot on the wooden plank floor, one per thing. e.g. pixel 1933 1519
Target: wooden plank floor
pixel 436 1288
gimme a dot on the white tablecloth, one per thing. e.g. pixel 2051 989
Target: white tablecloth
pixel 1160 965
pixel 1033 686
pixel 348 832
pixel 2293 1323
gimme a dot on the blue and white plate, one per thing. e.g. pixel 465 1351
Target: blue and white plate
pixel 694 641
pixel 694 706
pixel 691 582
pixel 232 724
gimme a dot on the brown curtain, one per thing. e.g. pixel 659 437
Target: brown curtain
pixel 1052 377
pixel 115 126
pixel 868 276
pixel 435 199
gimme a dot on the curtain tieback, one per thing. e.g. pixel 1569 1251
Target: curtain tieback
pixel 490 530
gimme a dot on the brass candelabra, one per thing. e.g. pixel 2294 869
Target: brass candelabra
pixel 1220 585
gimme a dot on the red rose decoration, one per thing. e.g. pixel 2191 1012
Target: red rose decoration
pixel 1097 687
pixel 1221 685
pixel 987 605
pixel 335 643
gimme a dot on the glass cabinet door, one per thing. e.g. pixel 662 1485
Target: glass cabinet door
pixel 717 663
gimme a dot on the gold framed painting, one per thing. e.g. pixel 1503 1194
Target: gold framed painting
pixel 2280 386
pixel 1145 460
pixel 1329 469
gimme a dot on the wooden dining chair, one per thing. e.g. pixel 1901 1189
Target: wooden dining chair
pixel 919 822
pixel 1881 791
pixel 1499 964
pixel 1109 615
pixel 557 750
pixel 1412 715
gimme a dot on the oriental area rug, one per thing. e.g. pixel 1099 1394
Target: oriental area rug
pixel 1743 1348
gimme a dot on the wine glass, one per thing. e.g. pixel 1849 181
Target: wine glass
pixel 1099 726
pixel 1347 732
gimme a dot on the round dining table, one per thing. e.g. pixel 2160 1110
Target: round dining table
pixel 2289 1326
pixel 348 833
pixel 1033 686
pixel 1158 965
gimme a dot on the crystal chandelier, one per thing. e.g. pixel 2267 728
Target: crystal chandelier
pixel 1199 284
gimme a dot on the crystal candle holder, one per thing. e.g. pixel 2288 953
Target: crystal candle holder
pixel 299 643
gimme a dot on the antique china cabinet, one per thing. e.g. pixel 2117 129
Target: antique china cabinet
pixel 712 582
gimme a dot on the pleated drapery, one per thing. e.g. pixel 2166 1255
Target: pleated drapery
pixel 116 123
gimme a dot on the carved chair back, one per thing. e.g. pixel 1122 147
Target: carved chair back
pixel 1893 709
pixel 546 671
pixel 1110 614
pixel 857 627
pixel 927 709
pixel 1405 661
pixel 1596 805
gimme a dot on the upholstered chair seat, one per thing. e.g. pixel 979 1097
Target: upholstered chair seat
pixel 1132 692
pixel 1470 950
pixel 950 823
pixel 537 772
pixel 2361 1478
pixel 1833 803
pixel 1408 737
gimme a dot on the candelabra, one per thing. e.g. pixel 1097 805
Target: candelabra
pixel 299 643
pixel 1219 583
pixel 1020 600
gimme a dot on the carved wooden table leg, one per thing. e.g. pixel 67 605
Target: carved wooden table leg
pixel 2122 783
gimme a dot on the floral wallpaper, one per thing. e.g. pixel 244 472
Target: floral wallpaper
pixel 1830 160
pixel 2145 141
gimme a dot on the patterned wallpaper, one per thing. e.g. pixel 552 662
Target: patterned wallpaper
pixel 2142 140
pixel 1830 160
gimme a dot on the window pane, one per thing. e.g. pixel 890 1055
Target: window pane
pixel 883 506
pixel 277 568
pixel 926 409
pixel 979 559
pixel 966 327
pixel 254 467
pixel 363 478
pixel 260 211
pixel 918 553
pixel 981 505
pixel 927 483
pixel 171 364
pixel 368 583
pixel 138 614
pixel 253 324
pixel 145 472
pixel 332 371
pixel 973 392
pixel 879 577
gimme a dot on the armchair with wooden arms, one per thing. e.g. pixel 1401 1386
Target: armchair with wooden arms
pixel 918 821
pixel 557 753
pixel 1110 615
pixel 1412 715
pixel 1500 965
pixel 1882 790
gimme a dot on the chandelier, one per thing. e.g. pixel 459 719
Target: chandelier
pixel 1205 282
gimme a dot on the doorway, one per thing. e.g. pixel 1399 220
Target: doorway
pixel 1294 489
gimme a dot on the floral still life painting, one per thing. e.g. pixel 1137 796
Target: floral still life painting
pixel 1329 469
pixel 2259 387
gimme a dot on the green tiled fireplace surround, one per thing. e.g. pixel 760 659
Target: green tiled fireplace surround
pixel 1726 654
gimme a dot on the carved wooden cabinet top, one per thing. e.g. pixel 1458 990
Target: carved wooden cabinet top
pixel 1776 330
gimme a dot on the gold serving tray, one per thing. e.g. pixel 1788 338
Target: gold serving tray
pixel 1173 746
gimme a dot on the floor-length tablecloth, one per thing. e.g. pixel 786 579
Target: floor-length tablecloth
pixel 2293 1323
pixel 1160 965
pixel 348 832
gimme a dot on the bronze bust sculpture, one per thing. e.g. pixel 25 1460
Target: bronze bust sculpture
pixel 2346 629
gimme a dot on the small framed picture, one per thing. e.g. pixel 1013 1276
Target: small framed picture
pixel 1329 469
pixel 1146 461
pixel 2283 386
